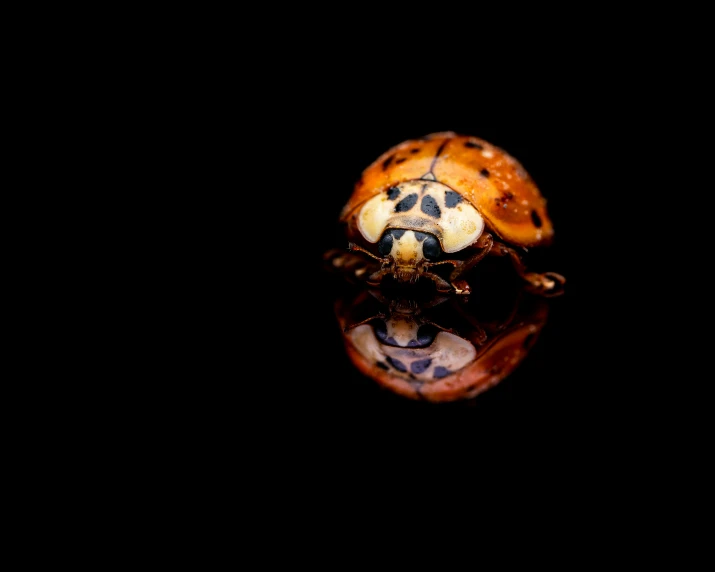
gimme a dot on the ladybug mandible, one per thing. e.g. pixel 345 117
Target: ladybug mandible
pixel 447 200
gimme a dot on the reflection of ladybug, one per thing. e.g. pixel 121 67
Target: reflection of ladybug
pixel 447 199
pixel 437 356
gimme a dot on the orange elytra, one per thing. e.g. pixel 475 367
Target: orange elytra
pixel 434 207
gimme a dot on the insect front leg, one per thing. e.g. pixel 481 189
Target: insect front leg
pixel 444 287
pixel 484 245
pixel 457 285
pixel 351 265
pixel 548 284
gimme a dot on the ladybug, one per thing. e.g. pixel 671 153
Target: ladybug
pixel 437 351
pixel 445 201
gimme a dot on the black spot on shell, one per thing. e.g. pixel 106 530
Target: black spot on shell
pixel 401 160
pixel 473 145
pixel 484 172
pixel 440 372
pixel 413 151
pixel 406 204
pixel 452 199
pixel 430 207
pixel 393 193
pixel 382 366
pixel 441 148
pixel 386 162
pixel 420 366
pixel 397 364
pixel 536 219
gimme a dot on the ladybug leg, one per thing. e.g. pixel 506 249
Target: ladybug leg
pixel 478 335
pixel 444 287
pixel 436 325
pixel 481 327
pixel 351 266
pixel 547 284
pixel 376 277
pixel 484 243
pixel 365 321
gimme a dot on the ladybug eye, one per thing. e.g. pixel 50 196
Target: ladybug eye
pixel 425 336
pixel 385 245
pixel 431 248
pixel 380 329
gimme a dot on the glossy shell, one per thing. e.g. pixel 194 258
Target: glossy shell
pixel 451 367
pixel 491 180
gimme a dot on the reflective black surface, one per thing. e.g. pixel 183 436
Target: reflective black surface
pixel 545 380
pixel 278 345
pixel 423 345
pixel 264 337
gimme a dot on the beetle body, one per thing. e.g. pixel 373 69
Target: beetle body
pixel 441 351
pixel 446 199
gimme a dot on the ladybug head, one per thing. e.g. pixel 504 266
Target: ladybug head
pixel 407 249
pixel 404 331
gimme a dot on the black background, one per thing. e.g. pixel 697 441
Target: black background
pixel 254 142
pixel 267 343
pixel 237 148
pixel 264 168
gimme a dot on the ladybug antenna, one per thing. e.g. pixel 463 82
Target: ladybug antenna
pixel 365 321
